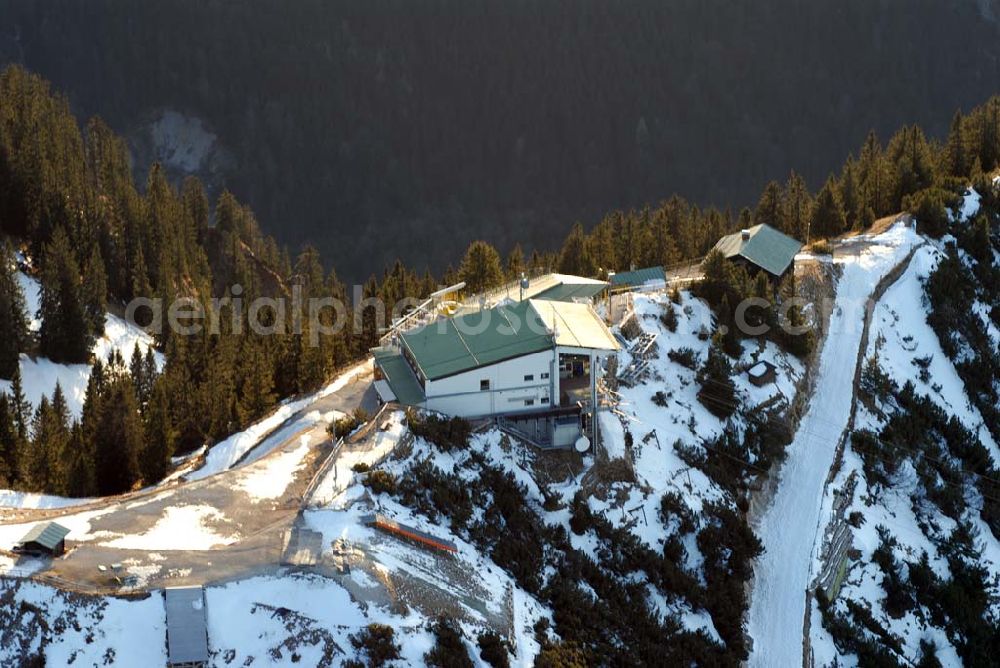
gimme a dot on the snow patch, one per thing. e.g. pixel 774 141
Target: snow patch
pixel 179 528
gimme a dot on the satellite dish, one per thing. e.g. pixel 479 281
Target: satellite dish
pixel 582 444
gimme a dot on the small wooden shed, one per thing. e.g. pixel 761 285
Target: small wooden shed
pixel 43 539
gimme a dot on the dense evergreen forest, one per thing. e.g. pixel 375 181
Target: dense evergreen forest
pixel 378 129
pixel 97 239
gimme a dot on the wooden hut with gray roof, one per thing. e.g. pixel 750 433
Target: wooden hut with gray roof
pixel 760 248
pixel 43 539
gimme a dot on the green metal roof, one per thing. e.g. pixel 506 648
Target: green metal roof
pixel 400 377
pixel 452 345
pixel 765 246
pixel 636 277
pixel 567 292
pixel 449 346
pixel 46 534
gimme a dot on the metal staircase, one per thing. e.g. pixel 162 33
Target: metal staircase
pixel 641 352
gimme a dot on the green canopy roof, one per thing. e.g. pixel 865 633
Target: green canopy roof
pixel 637 277
pixel 567 292
pixel 448 346
pixel 46 534
pixel 762 245
pixel 452 345
pixel 399 376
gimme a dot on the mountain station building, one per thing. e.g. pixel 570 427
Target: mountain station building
pixel 522 360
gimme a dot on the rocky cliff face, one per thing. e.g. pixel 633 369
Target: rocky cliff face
pixel 184 145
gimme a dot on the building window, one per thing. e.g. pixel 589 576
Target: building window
pixel 529 376
pixel 484 385
pixel 545 400
pixel 545 376
pixel 529 402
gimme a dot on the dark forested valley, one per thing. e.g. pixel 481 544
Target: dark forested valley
pixel 384 129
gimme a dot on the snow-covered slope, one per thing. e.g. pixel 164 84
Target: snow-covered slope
pixel 40 375
pixel 72 630
pixel 920 583
pixel 789 526
pixel 278 620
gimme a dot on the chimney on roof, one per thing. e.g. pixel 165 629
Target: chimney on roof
pixel 744 234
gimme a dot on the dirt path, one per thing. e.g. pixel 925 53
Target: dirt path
pixel 356 393
pixel 235 520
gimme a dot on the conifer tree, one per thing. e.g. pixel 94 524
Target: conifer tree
pixel 196 206
pixel 339 349
pixel 793 339
pixel 229 217
pixel 118 434
pixel 219 399
pixel 80 475
pixel 9 443
pixel 13 315
pixel 664 247
pixel 33 461
pixel 769 210
pixel 42 465
pixel 481 268
pixel 137 369
pixel 828 218
pixel 717 393
pixel 850 195
pixel 730 335
pixel 65 335
pixel 875 177
pixel 796 208
pixel 911 156
pixel 718 278
pixel 763 289
pixel 311 365
pixel 257 391
pixel 953 157
pixel 19 406
pixel 981 248
pixel 56 444
pixel 603 250
pixel 515 263
pixel 575 258
pixel 150 372
pixel 746 218
pixel 139 274
pixel 630 246
pixel 160 438
pixel 90 414
pixel 989 134
pixel 94 292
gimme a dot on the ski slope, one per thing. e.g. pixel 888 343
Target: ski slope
pixel 789 526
